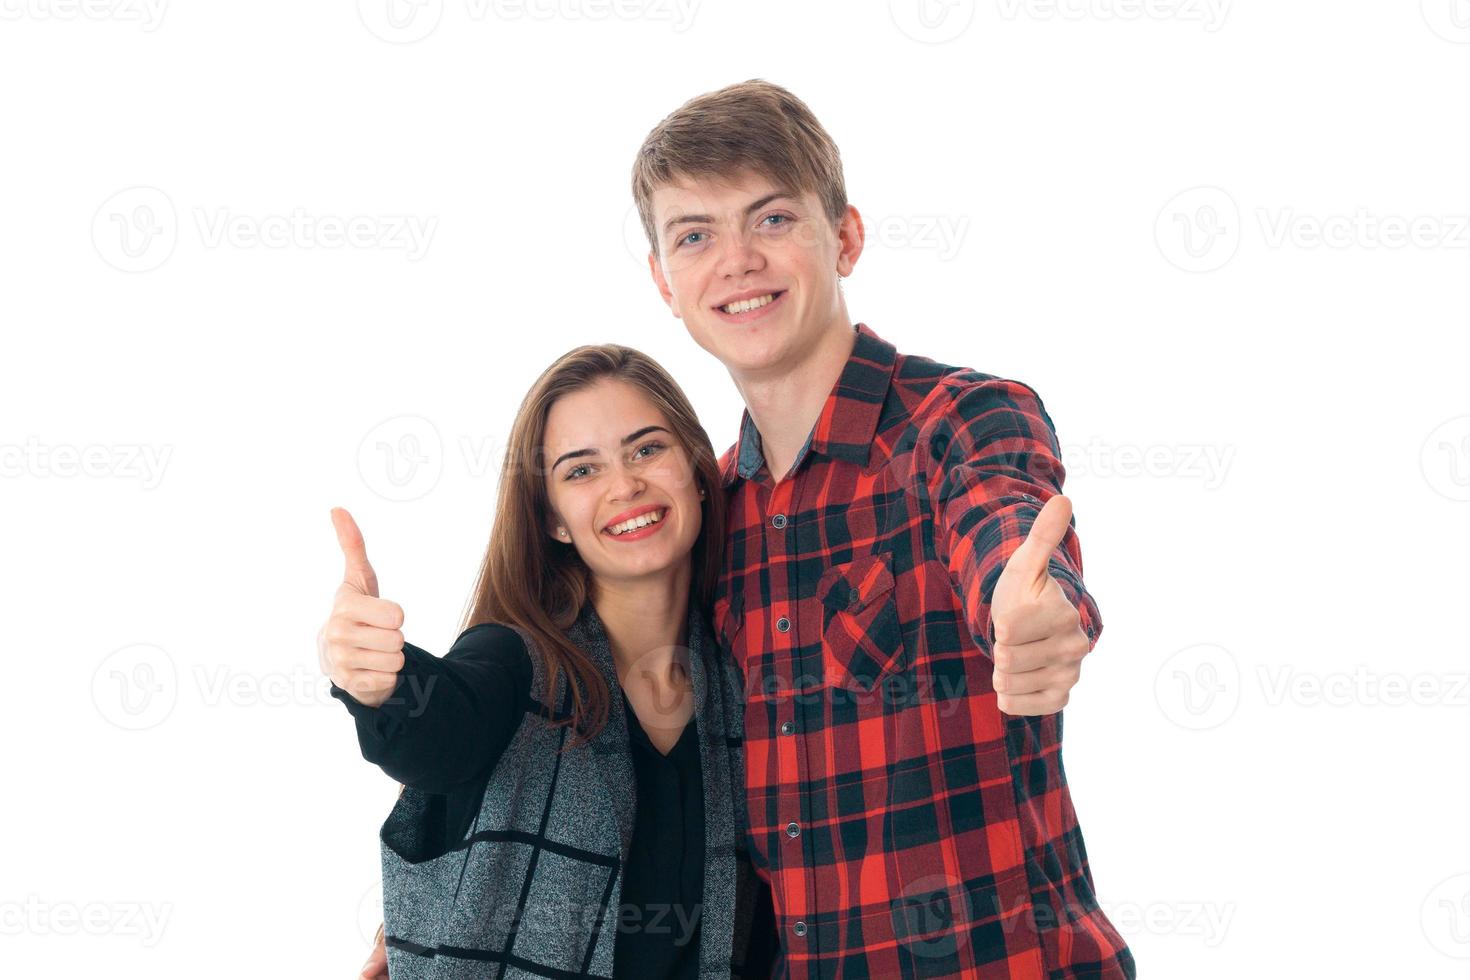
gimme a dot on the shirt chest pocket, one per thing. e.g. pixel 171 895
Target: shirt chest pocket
pixel 861 638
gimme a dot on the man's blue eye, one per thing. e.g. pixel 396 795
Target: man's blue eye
pixel 778 217
pixel 685 239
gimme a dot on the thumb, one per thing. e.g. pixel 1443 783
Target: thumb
pixel 1025 573
pixel 358 573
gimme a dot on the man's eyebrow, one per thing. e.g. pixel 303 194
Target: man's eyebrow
pixel 694 219
pixel 631 437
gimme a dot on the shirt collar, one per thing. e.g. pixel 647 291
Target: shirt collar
pixel 849 419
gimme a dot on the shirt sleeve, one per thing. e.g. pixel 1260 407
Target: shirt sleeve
pixel 991 461
pixel 449 718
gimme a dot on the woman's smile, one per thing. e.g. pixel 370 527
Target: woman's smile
pixel 637 528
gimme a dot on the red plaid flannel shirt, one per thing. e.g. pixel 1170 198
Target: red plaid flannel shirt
pixel 908 827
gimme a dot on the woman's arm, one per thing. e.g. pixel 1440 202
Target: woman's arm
pixel 449 719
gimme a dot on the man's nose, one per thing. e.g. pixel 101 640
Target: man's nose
pixel 739 256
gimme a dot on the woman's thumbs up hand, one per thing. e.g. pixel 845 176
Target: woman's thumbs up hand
pixel 361 646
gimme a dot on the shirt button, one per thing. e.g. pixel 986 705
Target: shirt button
pixel 788 727
pixel 799 928
pixel 793 830
pixel 779 521
pixel 783 624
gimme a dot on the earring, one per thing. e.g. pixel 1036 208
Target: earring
pixel 701 494
pixel 561 531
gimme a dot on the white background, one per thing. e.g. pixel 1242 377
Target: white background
pixel 1226 242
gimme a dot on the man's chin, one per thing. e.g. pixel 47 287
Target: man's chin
pixel 749 358
pixel 739 348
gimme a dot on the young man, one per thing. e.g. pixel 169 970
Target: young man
pixel 903 587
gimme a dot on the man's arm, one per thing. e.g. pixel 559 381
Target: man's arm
pixel 376 967
pixel 993 472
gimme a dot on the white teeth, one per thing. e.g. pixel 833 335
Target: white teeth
pixel 742 305
pixel 637 522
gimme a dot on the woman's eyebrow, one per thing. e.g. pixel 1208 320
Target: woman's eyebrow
pixel 643 432
pixel 632 437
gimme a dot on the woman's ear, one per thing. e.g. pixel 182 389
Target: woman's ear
pixel 558 530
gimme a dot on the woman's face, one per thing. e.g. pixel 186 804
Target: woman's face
pixel 621 487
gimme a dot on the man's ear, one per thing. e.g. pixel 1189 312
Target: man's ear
pixel 663 284
pixel 850 238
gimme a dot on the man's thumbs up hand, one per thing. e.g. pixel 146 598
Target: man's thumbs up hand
pixel 361 646
pixel 1039 639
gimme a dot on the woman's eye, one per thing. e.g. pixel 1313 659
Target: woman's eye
pixel 652 448
pixel 575 471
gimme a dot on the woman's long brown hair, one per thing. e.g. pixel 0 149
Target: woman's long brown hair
pixel 529 580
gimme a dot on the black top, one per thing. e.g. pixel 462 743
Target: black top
pixel 479 693
pixel 663 885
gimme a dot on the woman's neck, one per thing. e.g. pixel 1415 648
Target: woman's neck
pixel 647 621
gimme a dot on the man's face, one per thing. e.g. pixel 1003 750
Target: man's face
pixel 751 268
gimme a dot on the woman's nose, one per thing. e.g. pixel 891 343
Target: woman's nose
pixel 625 484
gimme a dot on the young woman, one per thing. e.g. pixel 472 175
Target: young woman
pixel 573 800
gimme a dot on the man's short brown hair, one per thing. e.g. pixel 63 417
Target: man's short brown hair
pixel 752 125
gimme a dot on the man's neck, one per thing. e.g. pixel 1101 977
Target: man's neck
pixel 785 406
pixel 646 620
